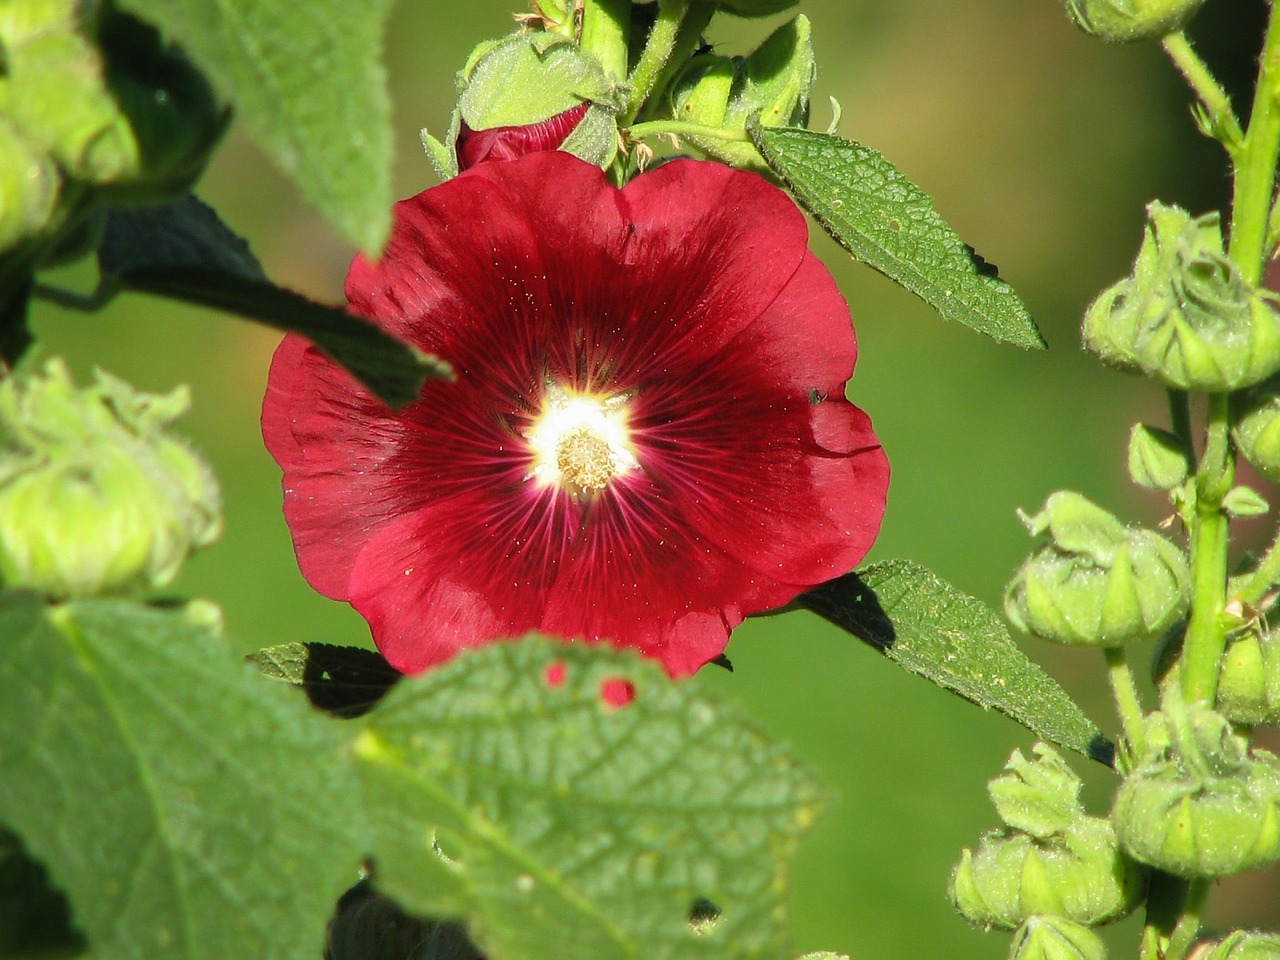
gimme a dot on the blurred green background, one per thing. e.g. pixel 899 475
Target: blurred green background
pixel 1041 147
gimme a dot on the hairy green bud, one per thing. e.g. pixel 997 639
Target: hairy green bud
pixel 58 98
pixel 1053 938
pixel 1157 459
pixel 95 496
pixel 774 82
pixel 29 185
pixel 1051 858
pixel 1249 684
pixel 1199 803
pixel 1240 945
pixel 1097 582
pixel 1123 21
pixel 1257 428
pixel 1186 315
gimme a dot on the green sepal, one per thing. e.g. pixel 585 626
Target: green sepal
pixel 1244 502
pixel 1157 459
pixel 1055 938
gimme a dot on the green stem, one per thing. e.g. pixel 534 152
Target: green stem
pixel 1125 694
pixel 1206 638
pixel 1217 104
pixel 606 25
pixel 1184 933
pixel 686 42
pixel 657 51
pixel 1166 899
pixel 1255 164
pixel 1180 419
pixel 680 128
pixel 1265 576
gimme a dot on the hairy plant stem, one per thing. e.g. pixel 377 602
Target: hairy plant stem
pixel 606 25
pixel 1206 637
pixel 677 128
pixel 1167 898
pixel 1189 919
pixel 1255 164
pixel 1217 105
pixel 1128 707
pixel 687 40
pixel 658 51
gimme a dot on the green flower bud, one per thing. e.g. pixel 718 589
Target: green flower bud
pixel 1249 685
pixel 1097 582
pixel 29 185
pixel 1186 316
pixel 525 80
pixel 1157 459
pixel 95 496
pixel 1257 429
pixel 1051 858
pixel 173 112
pixel 1053 938
pixel 59 100
pixel 773 82
pixel 1122 21
pixel 1241 945
pixel 1198 803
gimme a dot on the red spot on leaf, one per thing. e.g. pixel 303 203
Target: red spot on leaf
pixel 616 692
pixel 555 674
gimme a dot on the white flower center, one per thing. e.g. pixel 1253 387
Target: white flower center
pixel 580 441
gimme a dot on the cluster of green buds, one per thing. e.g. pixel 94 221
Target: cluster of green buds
pixel 96 496
pixel 1096 582
pixel 1199 802
pixel 1122 21
pixel 549 87
pixel 1051 859
pixel 1186 316
pixel 93 98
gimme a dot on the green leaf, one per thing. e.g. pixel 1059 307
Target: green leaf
pixel 929 627
pixel 344 681
pixel 35 919
pixel 308 82
pixel 188 807
pixel 571 829
pixel 184 251
pixel 886 221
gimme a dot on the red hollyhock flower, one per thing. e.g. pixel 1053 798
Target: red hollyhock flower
pixel 647 439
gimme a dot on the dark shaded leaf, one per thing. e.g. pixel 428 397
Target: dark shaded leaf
pixel 343 681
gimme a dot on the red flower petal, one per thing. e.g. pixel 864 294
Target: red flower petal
pixel 508 143
pixel 692 295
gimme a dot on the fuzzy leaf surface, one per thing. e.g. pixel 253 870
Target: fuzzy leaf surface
pixel 184 251
pixel 307 81
pixel 889 223
pixel 572 829
pixel 189 808
pixel 930 628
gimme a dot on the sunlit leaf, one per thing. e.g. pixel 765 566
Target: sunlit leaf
pixel 188 807
pixel 929 627
pixel 569 828
pixel 307 81
pixel 886 221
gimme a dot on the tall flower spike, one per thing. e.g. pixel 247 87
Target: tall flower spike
pixel 630 452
